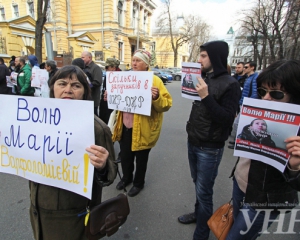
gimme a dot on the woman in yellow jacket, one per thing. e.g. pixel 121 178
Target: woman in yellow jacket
pixel 137 133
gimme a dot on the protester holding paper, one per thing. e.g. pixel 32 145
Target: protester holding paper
pixel 138 133
pixel 258 186
pixel 24 78
pixel 56 213
pixel 4 71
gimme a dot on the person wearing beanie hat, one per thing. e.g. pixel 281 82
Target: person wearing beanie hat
pixel 141 55
pixel 137 133
pixel 111 62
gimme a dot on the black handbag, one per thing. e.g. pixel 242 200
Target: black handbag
pixel 106 218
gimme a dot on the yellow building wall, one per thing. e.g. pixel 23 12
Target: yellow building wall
pixel 86 16
pixel 165 54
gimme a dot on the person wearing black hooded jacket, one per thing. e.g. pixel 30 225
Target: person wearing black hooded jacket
pixel 208 128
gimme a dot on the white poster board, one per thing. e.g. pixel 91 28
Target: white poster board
pixel 281 120
pixel 40 80
pixel 14 76
pixel 129 91
pixel 190 72
pixel 44 140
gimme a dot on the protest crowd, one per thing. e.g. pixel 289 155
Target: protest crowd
pixel 216 116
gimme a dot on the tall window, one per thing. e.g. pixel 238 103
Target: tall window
pixel 120 51
pixel 16 10
pixel 145 23
pixel 120 12
pixel 31 8
pixel 153 47
pixel 2 12
pixel 133 18
pixel 49 15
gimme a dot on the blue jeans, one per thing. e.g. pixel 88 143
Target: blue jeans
pixel 240 211
pixel 204 163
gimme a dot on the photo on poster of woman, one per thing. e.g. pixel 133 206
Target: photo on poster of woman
pixel 262 129
pixel 190 72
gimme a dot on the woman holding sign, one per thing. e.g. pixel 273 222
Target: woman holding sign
pixel 55 212
pixel 260 189
pixel 137 133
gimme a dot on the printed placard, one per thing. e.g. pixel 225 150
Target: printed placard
pixel 262 129
pixel 130 91
pixel 44 140
pixel 190 72
pixel 39 77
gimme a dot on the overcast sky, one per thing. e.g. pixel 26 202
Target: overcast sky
pixel 220 14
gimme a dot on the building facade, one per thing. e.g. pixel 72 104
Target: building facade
pixel 106 28
pixel 163 48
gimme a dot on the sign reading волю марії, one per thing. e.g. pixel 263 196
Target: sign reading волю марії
pixel 130 91
pixel 44 140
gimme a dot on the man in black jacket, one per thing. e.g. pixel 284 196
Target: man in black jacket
pixel 239 74
pixel 3 73
pixel 208 128
pixel 96 74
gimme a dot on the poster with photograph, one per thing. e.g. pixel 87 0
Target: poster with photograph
pixel 262 129
pixel 190 72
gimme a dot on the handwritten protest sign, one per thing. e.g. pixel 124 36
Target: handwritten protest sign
pixel 262 129
pixel 190 72
pixel 44 140
pixel 130 91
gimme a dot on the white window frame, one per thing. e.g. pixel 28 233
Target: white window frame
pixel 14 8
pixel 30 8
pixel 120 12
pixel 121 50
pixel 49 12
pixel 2 12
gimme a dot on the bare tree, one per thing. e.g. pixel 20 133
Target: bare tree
pixel 292 31
pixel 42 6
pixel 174 34
pixel 272 27
pixel 201 34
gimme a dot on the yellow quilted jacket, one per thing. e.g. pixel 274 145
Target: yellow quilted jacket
pixel 146 129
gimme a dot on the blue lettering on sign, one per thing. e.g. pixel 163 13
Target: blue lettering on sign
pixel 34 114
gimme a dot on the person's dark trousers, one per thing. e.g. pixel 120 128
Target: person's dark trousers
pixel 127 160
pixel 204 163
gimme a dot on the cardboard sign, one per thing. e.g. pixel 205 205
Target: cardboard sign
pixel 262 129
pixel 130 91
pixel 44 140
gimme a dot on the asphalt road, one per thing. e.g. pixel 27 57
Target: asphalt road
pixel 168 192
